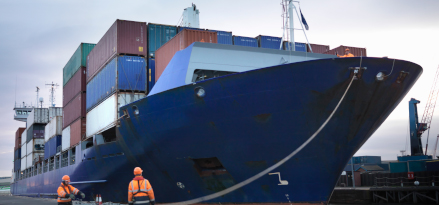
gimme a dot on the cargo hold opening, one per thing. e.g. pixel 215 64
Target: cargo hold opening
pixel 106 136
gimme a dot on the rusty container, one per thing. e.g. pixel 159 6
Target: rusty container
pixel 18 134
pixel 123 37
pixel 77 131
pixel 75 86
pixel 74 109
pixel 341 51
pixel 316 48
pixel 180 41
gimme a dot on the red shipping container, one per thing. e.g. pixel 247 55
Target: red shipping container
pixel 18 137
pixel 123 37
pixel 182 40
pixel 316 48
pixel 341 51
pixel 77 131
pixel 73 110
pixel 75 86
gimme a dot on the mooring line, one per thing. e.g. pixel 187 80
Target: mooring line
pixel 257 176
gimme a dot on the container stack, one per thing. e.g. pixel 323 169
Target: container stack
pixel 158 35
pixel 341 51
pixel 115 77
pixel 181 41
pixel 245 41
pixel 17 148
pixel 269 42
pixel 34 147
pixel 74 99
pixel 52 137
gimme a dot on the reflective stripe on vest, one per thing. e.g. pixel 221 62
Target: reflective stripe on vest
pixel 138 186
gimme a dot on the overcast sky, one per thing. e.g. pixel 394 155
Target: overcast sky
pixel 37 38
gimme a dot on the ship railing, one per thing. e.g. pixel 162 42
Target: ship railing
pixel 405 181
pixel 58 149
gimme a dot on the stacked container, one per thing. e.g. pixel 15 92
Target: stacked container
pixel 52 146
pixel 74 97
pixel 18 134
pixel 269 42
pixel 158 35
pixel 110 73
pixel 341 51
pixel 17 148
pixel 33 148
pixel 224 37
pixel 301 47
pixel 52 137
pixel 181 41
pixel 245 41
pixel 316 48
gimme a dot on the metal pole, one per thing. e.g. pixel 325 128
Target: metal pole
pixel 353 176
pixel 290 15
pixel 304 32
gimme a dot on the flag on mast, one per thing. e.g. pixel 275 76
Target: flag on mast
pixel 304 21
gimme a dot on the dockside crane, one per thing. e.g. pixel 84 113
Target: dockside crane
pixel 418 128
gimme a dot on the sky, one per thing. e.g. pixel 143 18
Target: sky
pixel 37 38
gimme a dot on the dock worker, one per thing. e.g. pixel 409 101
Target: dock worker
pixel 347 54
pixel 140 190
pixel 67 192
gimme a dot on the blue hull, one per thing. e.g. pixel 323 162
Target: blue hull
pixel 248 121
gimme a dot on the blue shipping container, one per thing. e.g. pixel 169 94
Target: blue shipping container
pixel 151 75
pixel 159 35
pixel 224 37
pixel 407 158
pixel 398 167
pixel 51 146
pixel 416 166
pixel 299 46
pixel 47 150
pixel 182 28
pixel 245 41
pixel 269 42
pixel 17 153
pixel 17 165
pixel 126 73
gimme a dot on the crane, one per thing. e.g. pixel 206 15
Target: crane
pixel 429 107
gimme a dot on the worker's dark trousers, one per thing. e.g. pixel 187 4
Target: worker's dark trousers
pixel 64 203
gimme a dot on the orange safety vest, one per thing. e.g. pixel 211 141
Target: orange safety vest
pixel 140 191
pixel 63 193
pixel 347 55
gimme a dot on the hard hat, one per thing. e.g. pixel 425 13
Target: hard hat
pixel 66 178
pixel 137 171
pixel 347 49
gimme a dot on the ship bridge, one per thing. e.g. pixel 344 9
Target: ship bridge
pixel 21 112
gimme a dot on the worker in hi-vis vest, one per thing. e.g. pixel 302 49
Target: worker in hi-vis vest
pixel 347 54
pixel 140 190
pixel 67 192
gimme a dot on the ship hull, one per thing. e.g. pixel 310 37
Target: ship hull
pixel 245 123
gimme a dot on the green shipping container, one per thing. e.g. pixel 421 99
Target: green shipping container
pixel 78 59
pixel 417 166
pixel 398 167
pixel 159 35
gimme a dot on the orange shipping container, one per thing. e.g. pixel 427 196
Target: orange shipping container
pixel 77 131
pixel 341 51
pixel 18 137
pixel 182 40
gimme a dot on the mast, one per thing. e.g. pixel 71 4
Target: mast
pixel 290 15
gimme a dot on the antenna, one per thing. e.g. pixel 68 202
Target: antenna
pixel 38 90
pixel 53 86
pixel 402 152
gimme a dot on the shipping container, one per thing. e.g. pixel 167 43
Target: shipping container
pixel 77 131
pixel 74 110
pixel 23 150
pixel 105 115
pixel 269 42
pixel 298 46
pixel 123 37
pixel 18 134
pixel 65 139
pixel 29 160
pixel 367 160
pixel 52 146
pixel 158 35
pixel 127 73
pixel 75 86
pixel 316 48
pixel 23 163
pixel 38 115
pixel 17 153
pixel 398 167
pixel 53 128
pixel 35 145
pixel 54 112
pixel 341 51
pixel 245 41
pixel 416 166
pixel 181 41
pixel 34 158
pixel 77 61
pixel 189 28
pixel 151 73
pixel 35 131
pixel 224 37
pixel 24 137
pixel 17 165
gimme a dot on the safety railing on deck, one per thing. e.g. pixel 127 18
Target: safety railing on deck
pixel 404 181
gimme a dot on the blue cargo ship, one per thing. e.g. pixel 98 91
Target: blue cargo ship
pixel 221 114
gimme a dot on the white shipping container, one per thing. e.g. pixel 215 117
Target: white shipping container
pixel 35 144
pixel 53 128
pixel 23 149
pixel 28 161
pixel 23 138
pixel 55 112
pixel 23 163
pixel 65 139
pixel 104 116
pixel 37 156
pixel 38 115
